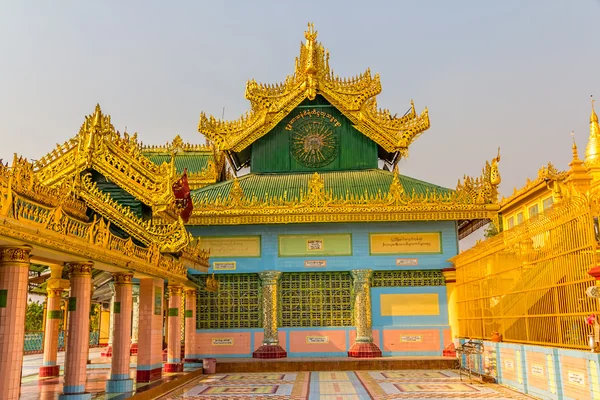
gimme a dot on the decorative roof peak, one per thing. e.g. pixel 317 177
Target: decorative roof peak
pixel 592 151
pixel 354 97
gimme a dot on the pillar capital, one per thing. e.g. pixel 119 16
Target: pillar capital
pixel 15 255
pixel 191 292
pixel 79 268
pixel 174 290
pixel 122 278
pixel 269 277
pixel 361 275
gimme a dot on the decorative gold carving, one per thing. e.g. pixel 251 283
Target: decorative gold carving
pixel 174 290
pixel 484 189
pixel 119 158
pixel 190 293
pixel 209 174
pixel 122 278
pixel 548 174
pixel 15 255
pixel 473 199
pixel 171 238
pixel 28 214
pixel 77 268
pixel 212 284
pixel 354 97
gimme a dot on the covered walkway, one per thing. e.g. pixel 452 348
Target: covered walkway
pixel 34 387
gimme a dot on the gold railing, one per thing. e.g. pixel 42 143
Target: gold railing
pixel 528 283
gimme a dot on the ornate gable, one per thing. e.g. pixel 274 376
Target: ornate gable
pixel 353 97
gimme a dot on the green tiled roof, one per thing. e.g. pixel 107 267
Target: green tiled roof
pixel 194 161
pixel 360 182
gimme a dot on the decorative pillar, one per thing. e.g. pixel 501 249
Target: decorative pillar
pixel 119 381
pixel 14 276
pixel 135 322
pixel 190 325
pixel 111 320
pixel 78 330
pixel 364 346
pixel 270 346
pixel 149 363
pixel 53 317
pixel 174 363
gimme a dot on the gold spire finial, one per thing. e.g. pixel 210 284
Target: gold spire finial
pixel 311 34
pixel 592 151
pixel 97 121
pixel 574 146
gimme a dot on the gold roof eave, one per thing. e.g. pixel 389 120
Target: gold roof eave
pixel 353 97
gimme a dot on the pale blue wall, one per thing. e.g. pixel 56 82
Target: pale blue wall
pixel 360 258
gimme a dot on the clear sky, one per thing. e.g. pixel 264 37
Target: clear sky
pixel 513 73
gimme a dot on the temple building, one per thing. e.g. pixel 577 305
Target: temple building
pixel 318 245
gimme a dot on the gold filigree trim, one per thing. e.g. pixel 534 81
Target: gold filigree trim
pixel 79 268
pixel 475 198
pixel 15 254
pixel 120 278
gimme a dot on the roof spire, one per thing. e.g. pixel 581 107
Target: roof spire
pixel 592 151
pixel 578 175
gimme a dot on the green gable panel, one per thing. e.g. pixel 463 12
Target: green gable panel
pixel 340 146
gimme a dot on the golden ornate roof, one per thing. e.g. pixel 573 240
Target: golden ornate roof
pixel 545 173
pixel 354 97
pixel 242 201
pixel 119 158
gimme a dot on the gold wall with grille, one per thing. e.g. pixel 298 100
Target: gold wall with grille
pixel 528 283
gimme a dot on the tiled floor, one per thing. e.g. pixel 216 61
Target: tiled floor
pixel 342 385
pixel 34 388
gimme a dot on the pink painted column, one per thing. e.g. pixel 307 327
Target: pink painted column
pixel 53 318
pixel 119 381
pixel 174 363
pixel 14 275
pixel 190 325
pixel 149 362
pixel 55 286
pixel 78 331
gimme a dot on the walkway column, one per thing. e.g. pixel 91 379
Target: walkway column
pixel 14 276
pixel 53 317
pixel 190 325
pixel 270 346
pixel 78 331
pixel 119 381
pixel 364 346
pixel 174 363
pixel 136 320
pixel 149 363
pixel 111 321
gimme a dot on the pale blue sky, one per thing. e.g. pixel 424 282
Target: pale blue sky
pixel 516 74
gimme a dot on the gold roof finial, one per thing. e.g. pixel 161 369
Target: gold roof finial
pixel 592 151
pixel 311 34
pixel 574 147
